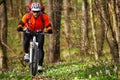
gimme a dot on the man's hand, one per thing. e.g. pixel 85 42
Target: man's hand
pixel 49 31
pixel 19 29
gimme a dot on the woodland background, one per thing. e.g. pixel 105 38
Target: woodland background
pixel 85 33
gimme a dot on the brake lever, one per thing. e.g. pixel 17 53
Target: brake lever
pixel 26 30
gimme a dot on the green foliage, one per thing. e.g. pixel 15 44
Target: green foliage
pixel 15 72
pixel 81 70
pixel 85 70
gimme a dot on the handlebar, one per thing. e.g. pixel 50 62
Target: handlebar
pixel 33 33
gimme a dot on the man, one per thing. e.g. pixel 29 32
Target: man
pixel 33 21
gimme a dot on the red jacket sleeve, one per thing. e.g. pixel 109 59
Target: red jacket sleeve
pixel 23 21
pixel 47 22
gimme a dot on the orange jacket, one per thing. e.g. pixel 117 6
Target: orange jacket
pixel 34 24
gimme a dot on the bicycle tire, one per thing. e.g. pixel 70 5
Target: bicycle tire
pixel 33 65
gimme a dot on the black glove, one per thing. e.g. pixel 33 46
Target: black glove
pixel 49 31
pixel 19 29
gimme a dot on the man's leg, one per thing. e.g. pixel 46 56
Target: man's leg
pixel 40 39
pixel 26 44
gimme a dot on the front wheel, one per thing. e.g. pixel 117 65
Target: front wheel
pixel 33 64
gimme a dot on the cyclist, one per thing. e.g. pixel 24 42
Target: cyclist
pixel 33 21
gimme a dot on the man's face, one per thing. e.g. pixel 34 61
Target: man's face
pixel 36 13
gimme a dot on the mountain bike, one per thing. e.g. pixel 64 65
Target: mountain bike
pixel 34 52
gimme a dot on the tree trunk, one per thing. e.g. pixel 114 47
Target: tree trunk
pixel 115 23
pixel 110 35
pixel 11 7
pixel 101 29
pixel 4 34
pixel 55 15
pixel 93 30
pixel 118 19
pixel 50 10
pixel 102 37
pixel 67 23
pixel 84 27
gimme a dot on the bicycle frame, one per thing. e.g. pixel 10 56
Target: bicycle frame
pixel 34 52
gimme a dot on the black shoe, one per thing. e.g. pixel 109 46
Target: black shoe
pixel 40 69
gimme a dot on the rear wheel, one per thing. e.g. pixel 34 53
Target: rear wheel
pixel 33 65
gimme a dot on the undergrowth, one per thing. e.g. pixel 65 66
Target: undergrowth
pixel 77 70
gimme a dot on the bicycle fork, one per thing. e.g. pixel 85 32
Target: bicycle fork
pixel 32 45
pixel 31 48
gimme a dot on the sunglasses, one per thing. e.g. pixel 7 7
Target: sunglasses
pixel 36 11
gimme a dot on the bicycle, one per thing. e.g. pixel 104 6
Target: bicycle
pixel 33 51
